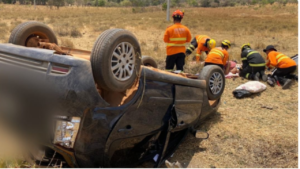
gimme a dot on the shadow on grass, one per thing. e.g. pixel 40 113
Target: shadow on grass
pixel 190 146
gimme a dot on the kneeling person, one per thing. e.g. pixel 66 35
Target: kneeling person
pixel 253 64
pixel 219 56
pixel 284 64
pixel 202 43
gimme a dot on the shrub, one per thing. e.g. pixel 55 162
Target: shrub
pixel 204 3
pixel 126 3
pixel 164 6
pixel 101 2
pixel 193 3
pixel 214 4
pixel 111 4
pixel 74 32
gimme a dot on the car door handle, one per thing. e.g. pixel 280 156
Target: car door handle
pixel 127 128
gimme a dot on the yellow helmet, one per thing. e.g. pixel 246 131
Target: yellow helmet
pixel 246 44
pixel 211 44
pixel 226 43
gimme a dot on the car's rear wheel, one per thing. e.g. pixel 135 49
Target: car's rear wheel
pixel 116 60
pixel 215 81
pixel 149 61
pixel 30 33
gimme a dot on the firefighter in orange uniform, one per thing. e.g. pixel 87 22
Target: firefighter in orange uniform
pixel 203 43
pixel 176 36
pixel 219 56
pixel 285 67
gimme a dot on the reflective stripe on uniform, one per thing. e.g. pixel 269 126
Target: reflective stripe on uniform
pixel 197 54
pixel 251 53
pixel 192 47
pixel 280 57
pixel 257 64
pixel 169 70
pixel 177 39
pixel 200 37
pixel 174 44
pixel 215 51
pixel 244 59
pixel 247 75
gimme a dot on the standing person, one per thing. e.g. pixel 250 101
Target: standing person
pixel 219 56
pixel 284 64
pixel 203 43
pixel 176 36
pixel 253 64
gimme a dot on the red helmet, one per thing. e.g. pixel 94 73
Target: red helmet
pixel 178 14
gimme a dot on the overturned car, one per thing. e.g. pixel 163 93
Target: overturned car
pixel 102 108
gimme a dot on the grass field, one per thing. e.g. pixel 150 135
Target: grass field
pixel 242 133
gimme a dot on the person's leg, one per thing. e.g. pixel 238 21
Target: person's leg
pixel 170 62
pixel 247 73
pixel 281 73
pixel 271 80
pixel 261 70
pixel 180 61
pixel 244 72
pixel 284 71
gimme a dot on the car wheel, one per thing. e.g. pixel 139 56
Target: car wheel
pixel 116 60
pixel 29 33
pixel 215 81
pixel 149 61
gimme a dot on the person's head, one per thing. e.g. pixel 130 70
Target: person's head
pixel 210 43
pixel 177 16
pixel 245 46
pixel 226 44
pixel 269 49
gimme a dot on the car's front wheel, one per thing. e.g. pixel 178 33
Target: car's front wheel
pixel 30 33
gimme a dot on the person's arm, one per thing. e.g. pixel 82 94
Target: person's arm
pixel 198 54
pixel 189 36
pixel 191 47
pixel 271 60
pixel 226 60
pixel 166 36
pixel 227 68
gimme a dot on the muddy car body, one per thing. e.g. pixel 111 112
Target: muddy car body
pixel 108 129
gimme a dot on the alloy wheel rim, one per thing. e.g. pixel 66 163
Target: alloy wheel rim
pixel 122 61
pixel 216 83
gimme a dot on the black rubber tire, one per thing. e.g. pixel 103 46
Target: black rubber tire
pixel 23 31
pixel 101 57
pixel 205 74
pixel 149 61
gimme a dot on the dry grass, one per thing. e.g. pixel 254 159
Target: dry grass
pixel 241 134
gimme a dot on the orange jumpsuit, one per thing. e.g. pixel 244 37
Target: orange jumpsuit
pixel 279 60
pixel 217 56
pixel 201 39
pixel 176 36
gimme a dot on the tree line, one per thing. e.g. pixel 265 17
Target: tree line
pixel 143 3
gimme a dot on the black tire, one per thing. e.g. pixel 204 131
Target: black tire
pixel 22 33
pixel 213 72
pixel 149 61
pixel 103 60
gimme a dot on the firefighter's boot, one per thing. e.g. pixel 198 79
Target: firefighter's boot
pixel 286 83
pixel 263 76
pixel 255 76
pixel 271 81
